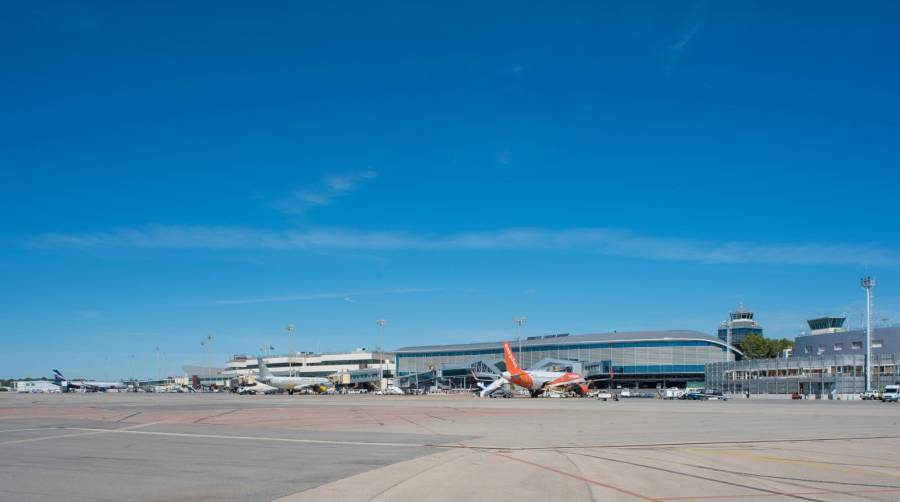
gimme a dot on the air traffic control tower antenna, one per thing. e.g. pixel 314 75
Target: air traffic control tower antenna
pixel 868 283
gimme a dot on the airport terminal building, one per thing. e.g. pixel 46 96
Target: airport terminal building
pixel 360 367
pixel 829 362
pixel 632 359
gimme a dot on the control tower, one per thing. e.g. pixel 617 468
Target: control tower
pixel 826 325
pixel 742 324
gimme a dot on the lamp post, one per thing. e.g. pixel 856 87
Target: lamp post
pixel 209 339
pixel 202 346
pixel 868 283
pixel 381 323
pixel 519 322
pixel 290 330
pixel 728 339
pixel 157 365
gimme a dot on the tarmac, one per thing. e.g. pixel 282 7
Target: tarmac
pixel 162 447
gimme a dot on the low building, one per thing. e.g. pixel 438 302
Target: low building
pixel 332 365
pixel 829 337
pixel 36 386
pixel 202 376
pixel 819 376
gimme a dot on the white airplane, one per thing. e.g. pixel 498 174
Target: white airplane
pixel 536 382
pixel 290 383
pixel 89 385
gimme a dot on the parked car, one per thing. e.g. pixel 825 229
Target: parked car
pixel 796 395
pixel 870 394
pixel 625 393
pixel 891 394
pixel 604 395
pixel 714 395
pixel 692 396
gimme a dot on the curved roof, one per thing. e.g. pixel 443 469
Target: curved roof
pixel 627 336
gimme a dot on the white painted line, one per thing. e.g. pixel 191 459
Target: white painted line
pixel 64 436
pixel 30 429
pixel 248 438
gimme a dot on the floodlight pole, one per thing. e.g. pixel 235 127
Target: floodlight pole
pixel 868 283
pixel 728 339
pixel 209 339
pixel 381 323
pixel 290 330
pixel 519 322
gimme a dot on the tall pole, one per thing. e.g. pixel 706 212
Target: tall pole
pixel 381 323
pixel 519 322
pixel 868 283
pixel 728 339
pixel 157 365
pixel 290 330
pixel 202 346
pixel 209 339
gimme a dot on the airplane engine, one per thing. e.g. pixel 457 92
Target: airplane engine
pixel 581 389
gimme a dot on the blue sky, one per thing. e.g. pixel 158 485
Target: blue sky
pixel 171 171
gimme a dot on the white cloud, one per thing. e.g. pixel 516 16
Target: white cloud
pixel 331 188
pixel 673 54
pixel 603 241
pixel 348 297
pixel 685 38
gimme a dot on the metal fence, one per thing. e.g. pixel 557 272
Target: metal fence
pixel 821 376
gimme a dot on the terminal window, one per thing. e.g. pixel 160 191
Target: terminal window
pixel 876 344
pixel 821 350
pixel 856 345
pixel 839 346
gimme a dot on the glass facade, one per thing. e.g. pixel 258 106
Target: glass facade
pixel 645 358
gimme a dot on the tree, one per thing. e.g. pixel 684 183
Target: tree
pixel 778 346
pixel 755 346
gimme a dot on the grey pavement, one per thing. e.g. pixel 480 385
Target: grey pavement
pixel 222 447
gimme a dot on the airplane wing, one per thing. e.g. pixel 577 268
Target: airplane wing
pixel 490 389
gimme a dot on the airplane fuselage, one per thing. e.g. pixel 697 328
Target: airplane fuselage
pixel 540 380
pixel 291 384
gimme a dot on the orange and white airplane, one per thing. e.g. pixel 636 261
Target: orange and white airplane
pixel 537 382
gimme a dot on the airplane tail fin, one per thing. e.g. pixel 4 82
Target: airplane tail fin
pixel 511 365
pixel 263 369
pixel 58 377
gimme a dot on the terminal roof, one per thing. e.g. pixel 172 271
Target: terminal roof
pixel 628 336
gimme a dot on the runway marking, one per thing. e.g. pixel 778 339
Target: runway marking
pixel 64 436
pixel 30 429
pixel 249 438
pixel 662 445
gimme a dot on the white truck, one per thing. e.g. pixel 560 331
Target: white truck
pixel 891 394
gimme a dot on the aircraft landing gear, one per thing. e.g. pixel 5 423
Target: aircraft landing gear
pixel 291 392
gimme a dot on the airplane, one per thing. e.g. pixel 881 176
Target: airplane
pixel 290 383
pixel 536 382
pixel 86 385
